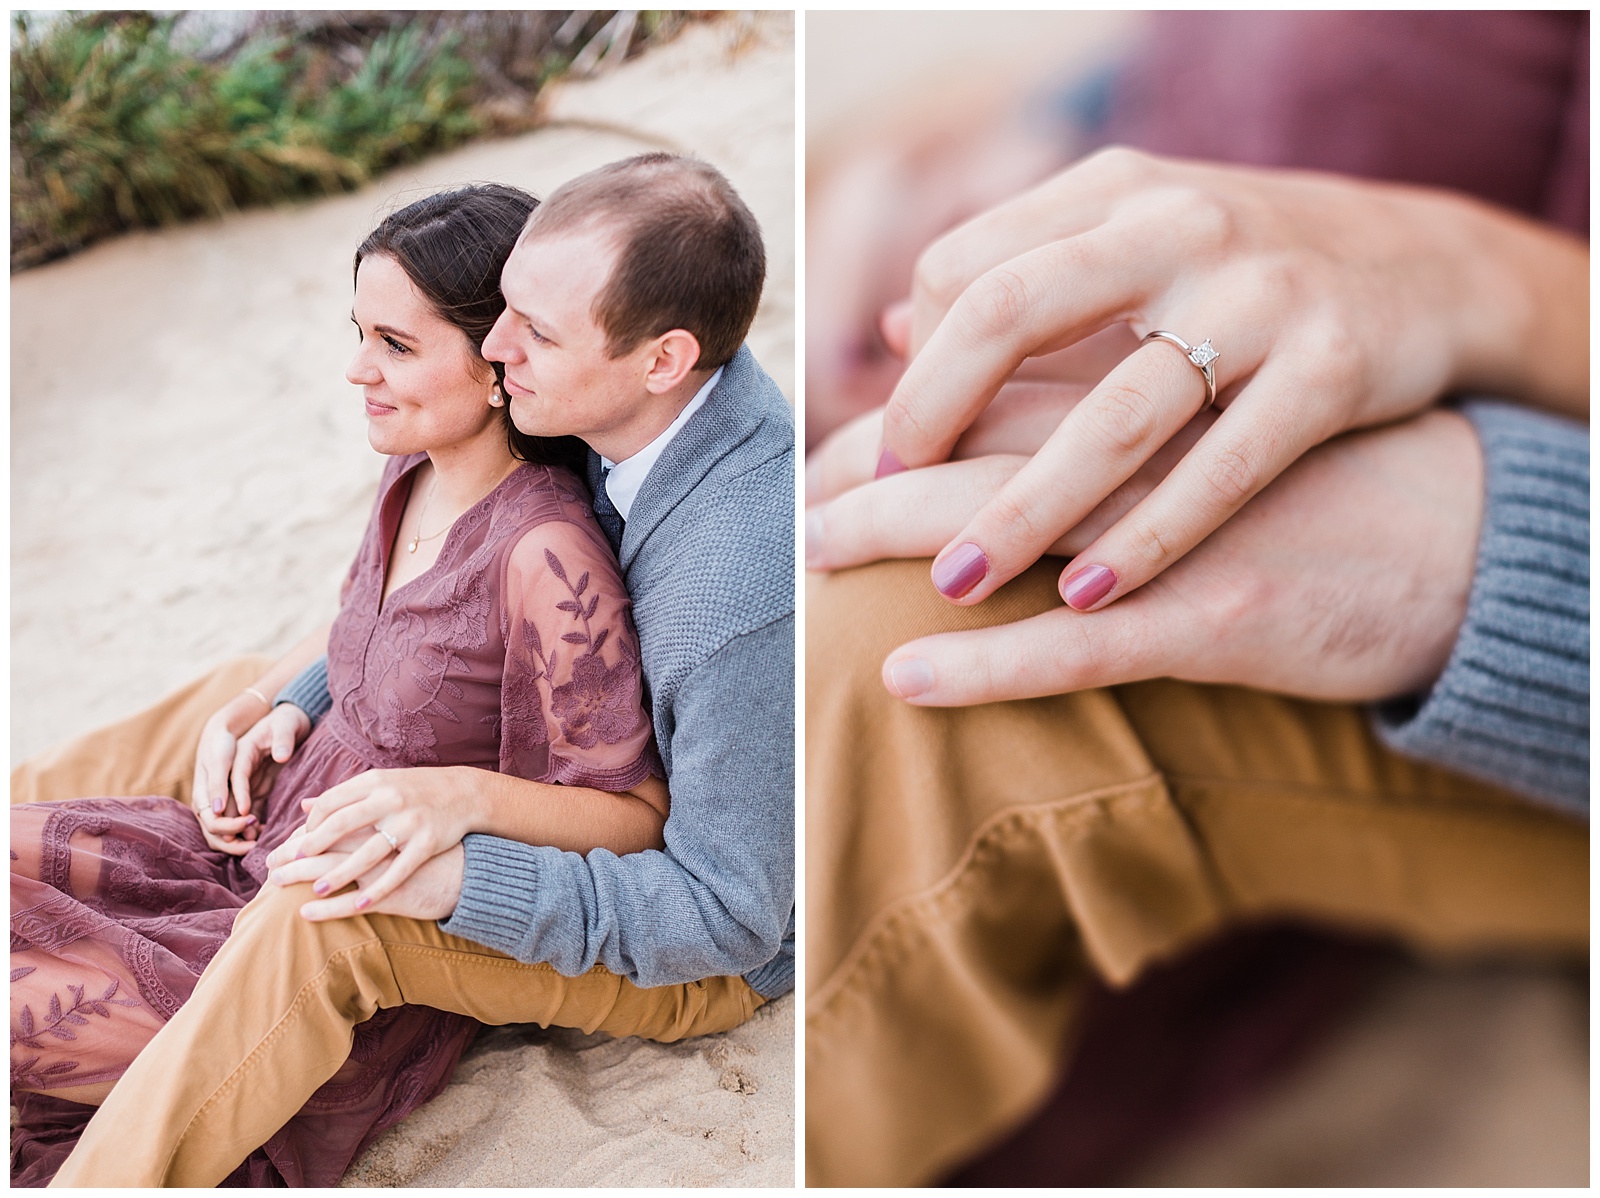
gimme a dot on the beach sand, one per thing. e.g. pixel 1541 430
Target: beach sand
pixel 190 476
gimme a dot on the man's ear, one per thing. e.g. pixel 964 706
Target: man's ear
pixel 673 356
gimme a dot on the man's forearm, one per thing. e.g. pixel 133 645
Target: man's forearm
pixel 308 689
pixel 718 901
pixel 1512 706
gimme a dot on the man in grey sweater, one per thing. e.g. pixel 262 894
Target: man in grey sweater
pixel 694 483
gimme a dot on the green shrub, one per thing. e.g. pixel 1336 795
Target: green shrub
pixel 113 127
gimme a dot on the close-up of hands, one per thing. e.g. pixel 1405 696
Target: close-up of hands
pixel 1346 579
pixel 1332 304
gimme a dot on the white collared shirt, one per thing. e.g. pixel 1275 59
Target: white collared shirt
pixel 628 475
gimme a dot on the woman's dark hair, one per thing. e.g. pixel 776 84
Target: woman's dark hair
pixel 452 247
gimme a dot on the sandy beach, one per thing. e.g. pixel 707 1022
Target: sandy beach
pixel 190 476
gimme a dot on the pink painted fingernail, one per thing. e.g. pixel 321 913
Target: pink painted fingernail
pixel 960 570
pixel 910 677
pixel 889 463
pixel 249 819
pixel 363 903
pixel 218 804
pixel 1087 587
pixel 299 854
pixel 319 887
pixel 814 530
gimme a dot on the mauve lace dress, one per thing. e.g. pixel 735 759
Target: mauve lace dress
pixel 515 652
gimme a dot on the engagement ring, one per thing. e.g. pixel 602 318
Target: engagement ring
pixel 1201 356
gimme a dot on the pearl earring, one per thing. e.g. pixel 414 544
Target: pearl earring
pixel 496 400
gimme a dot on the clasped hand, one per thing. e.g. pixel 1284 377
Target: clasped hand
pixel 348 831
pixel 1346 579
pixel 1335 304
pixel 232 773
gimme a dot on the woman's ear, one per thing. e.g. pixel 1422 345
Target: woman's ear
pixel 673 356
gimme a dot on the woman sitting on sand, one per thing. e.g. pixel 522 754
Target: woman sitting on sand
pixel 483 624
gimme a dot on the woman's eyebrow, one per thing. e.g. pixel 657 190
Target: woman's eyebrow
pixel 386 330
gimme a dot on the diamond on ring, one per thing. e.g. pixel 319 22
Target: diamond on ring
pixel 393 843
pixel 1200 356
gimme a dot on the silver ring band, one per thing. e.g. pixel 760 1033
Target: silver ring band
pixel 393 843
pixel 1200 357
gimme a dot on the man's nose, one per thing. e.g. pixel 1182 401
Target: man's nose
pixel 500 345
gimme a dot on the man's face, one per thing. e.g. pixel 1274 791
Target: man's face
pixel 560 381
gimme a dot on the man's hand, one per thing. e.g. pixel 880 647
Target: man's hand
pixel 431 891
pixel 1347 579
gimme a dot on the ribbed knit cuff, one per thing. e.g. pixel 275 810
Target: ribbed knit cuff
pixel 776 977
pixel 1512 706
pixel 309 690
pixel 499 889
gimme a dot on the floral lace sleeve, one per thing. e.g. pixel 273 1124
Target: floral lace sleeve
pixel 572 698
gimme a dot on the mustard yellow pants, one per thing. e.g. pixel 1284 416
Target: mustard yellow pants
pixel 274 1014
pixel 967 869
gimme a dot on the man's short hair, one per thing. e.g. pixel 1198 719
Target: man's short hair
pixel 689 251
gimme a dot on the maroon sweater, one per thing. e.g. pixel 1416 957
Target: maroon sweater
pixel 1495 104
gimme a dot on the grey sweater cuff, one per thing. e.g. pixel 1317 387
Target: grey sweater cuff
pixel 499 893
pixel 1512 706
pixel 309 690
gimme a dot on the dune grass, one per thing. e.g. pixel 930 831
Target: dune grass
pixel 117 122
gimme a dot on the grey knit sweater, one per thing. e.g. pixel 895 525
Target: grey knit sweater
pixel 1512 706
pixel 708 559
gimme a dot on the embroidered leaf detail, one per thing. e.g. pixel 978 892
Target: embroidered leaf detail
pixel 556 568
pixel 61 1033
pixel 569 605
pixel 18 974
pixel 57 1069
pixel 74 1017
pixel 77 993
pixel 599 640
pixel 594 602
pixel 55 1008
pixel 99 1009
pixel 583 583
pixel 574 638
pixel 25 1021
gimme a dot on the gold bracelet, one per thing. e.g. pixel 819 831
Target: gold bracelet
pixel 250 690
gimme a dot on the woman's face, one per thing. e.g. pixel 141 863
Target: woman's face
pixel 425 388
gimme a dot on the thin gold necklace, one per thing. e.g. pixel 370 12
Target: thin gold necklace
pixel 418 538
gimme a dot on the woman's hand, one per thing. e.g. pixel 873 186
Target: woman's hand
pixel 262 751
pixel 411 814
pixel 225 828
pixel 1333 304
